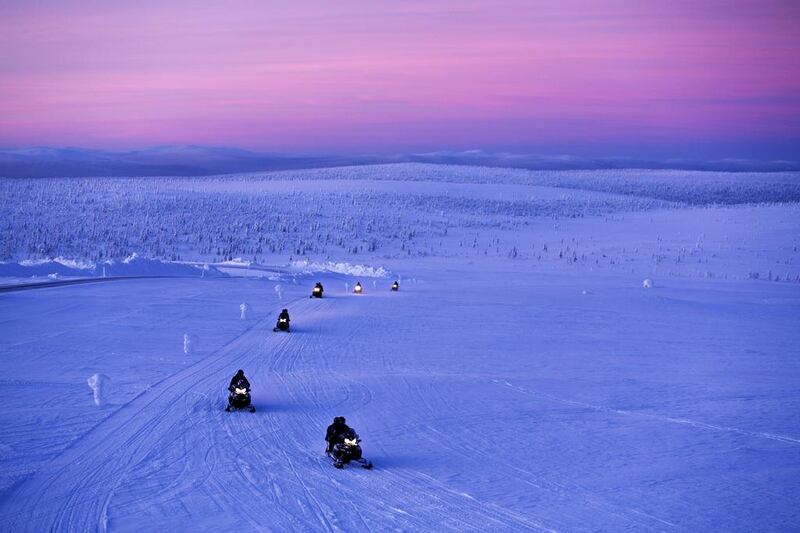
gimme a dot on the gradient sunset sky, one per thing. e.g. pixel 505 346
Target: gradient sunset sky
pixel 628 78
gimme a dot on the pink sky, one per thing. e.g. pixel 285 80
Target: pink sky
pixel 398 76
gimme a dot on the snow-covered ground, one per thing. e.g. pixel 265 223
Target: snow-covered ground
pixel 523 378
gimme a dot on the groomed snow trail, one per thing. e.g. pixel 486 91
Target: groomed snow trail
pixel 173 450
pixel 73 491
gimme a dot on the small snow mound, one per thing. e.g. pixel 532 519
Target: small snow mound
pixel 69 263
pixel 365 271
pixel 131 258
pixel 187 343
pixel 236 261
pixel 190 343
pixel 100 385
pixel 647 283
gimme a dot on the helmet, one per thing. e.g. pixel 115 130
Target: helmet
pixel 338 420
pixel 240 372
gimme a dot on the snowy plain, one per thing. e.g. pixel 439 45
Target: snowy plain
pixel 521 379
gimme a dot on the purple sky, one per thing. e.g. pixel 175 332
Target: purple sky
pixel 621 77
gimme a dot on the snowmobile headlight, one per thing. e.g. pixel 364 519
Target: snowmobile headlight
pixel 351 442
pixel 283 320
pixel 241 391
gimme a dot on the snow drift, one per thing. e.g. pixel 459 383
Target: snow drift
pixel 364 271
pixel 133 265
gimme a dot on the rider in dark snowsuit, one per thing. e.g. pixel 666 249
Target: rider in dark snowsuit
pixel 335 433
pixel 239 381
pixel 239 399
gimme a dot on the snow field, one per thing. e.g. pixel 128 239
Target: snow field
pixel 488 398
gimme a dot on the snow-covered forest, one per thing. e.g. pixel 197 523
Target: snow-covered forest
pixel 388 212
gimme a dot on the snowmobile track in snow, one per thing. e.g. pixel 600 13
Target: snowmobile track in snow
pixel 80 482
pixel 271 458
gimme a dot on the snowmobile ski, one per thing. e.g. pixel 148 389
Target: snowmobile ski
pixel 249 408
pixel 338 463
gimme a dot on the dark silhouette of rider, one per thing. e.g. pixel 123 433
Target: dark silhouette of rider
pixel 239 381
pixel 336 432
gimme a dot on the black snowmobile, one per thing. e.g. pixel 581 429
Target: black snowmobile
pixel 395 287
pixel 239 397
pixel 316 292
pixel 283 322
pixel 358 289
pixel 348 450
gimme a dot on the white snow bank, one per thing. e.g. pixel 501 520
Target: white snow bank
pixel 133 265
pixel 363 271
pixel 68 263
pixel 45 268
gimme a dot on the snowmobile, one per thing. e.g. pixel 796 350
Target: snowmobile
pixel 239 399
pixel 282 325
pixel 358 289
pixel 395 287
pixel 316 292
pixel 349 450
